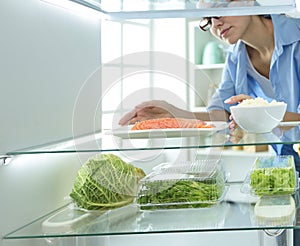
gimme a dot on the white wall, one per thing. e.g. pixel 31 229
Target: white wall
pixel 46 55
pixel 32 186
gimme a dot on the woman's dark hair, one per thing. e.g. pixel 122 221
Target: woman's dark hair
pixel 266 16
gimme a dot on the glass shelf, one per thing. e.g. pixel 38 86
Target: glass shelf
pixel 235 212
pixel 103 142
pixel 147 9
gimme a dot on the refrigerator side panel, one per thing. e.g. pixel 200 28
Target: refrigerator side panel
pixel 32 186
pixel 47 55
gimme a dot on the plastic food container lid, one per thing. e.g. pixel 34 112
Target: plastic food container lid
pixel 184 185
pixel 275 211
pixel 208 166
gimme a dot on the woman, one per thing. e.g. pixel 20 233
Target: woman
pixel 263 61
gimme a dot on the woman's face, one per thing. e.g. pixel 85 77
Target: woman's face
pixel 230 28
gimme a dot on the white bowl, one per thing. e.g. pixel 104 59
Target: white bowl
pixel 258 119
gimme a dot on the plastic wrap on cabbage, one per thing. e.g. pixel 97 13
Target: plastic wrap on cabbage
pixel 106 182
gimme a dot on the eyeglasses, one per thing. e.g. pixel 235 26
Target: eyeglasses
pixel 205 23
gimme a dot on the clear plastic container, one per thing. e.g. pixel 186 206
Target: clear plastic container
pixel 275 211
pixel 275 175
pixel 190 218
pixel 190 185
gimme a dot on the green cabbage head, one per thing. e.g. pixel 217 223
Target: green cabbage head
pixel 105 181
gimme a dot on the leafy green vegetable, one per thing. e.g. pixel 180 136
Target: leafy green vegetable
pixel 273 176
pixel 105 182
pixel 181 193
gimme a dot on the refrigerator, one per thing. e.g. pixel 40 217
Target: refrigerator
pixel 57 70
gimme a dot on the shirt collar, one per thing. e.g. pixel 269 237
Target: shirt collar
pixel 237 49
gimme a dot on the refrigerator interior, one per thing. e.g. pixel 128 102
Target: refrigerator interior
pixel 48 55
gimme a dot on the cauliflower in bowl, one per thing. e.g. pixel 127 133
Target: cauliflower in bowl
pixel 258 102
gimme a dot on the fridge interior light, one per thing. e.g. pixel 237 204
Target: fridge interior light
pixel 79 9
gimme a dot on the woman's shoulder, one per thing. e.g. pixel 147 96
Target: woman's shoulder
pixel 286 29
pixel 285 20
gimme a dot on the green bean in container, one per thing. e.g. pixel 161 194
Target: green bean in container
pixel 181 190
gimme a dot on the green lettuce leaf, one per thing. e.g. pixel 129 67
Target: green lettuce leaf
pixel 105 182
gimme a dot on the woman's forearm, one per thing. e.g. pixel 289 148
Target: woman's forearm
pixel 214 115
pixel 289 116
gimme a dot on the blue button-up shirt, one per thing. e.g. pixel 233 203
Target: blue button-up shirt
pixel 239 76
pixel 284 83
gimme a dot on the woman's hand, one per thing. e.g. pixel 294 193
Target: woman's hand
pixel 237 99
pixel 151 110
pixel 233 100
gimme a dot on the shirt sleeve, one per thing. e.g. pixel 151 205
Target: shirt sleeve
pixel 225 90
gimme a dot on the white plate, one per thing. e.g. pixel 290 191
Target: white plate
pixel 126 132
